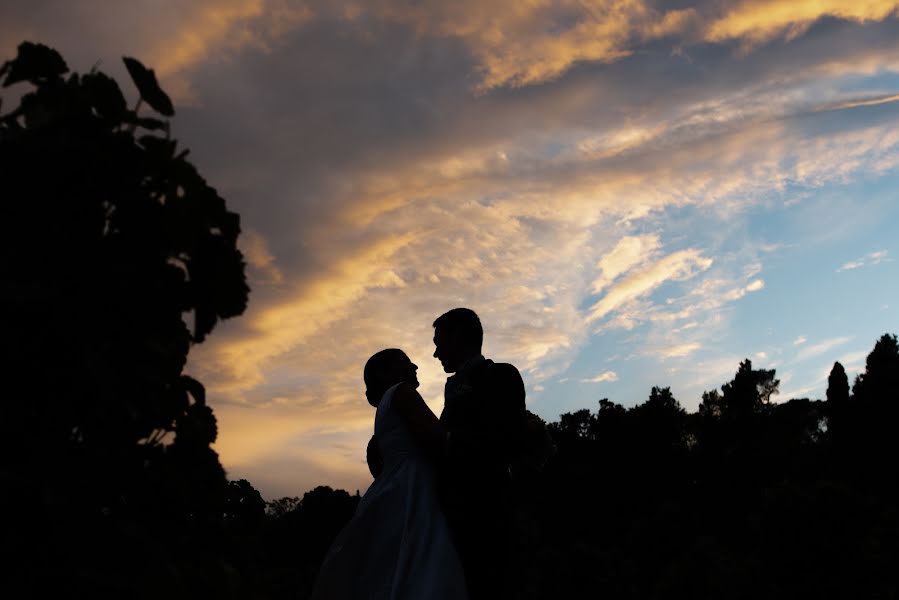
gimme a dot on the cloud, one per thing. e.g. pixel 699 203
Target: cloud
pixel 852 361
pixel 755 285
pixel 874 258
pixel 679 266
pixel 813 350
pixel 171 37
pixel 602 377
pixel 258 256
pixel 526 43
pixel 273 330
pixel 759 21
pixel 629 252
pixel 511 43
pixel 800 340
pixel 736 293
pixel 675 351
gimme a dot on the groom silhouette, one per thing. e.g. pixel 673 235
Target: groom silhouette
pixel 483 420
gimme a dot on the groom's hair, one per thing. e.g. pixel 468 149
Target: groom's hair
pixel 465 323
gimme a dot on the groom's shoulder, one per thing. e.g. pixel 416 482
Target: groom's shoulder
pixel 498 373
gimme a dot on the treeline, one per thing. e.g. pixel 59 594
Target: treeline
pixel 744 498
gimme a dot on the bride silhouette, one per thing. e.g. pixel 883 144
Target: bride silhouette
pixel 397 546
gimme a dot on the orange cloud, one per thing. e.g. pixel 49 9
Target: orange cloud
pixel 524 43
pixel 259 257
pixel 276 329
pixel 519 44
pixel 208 27
pixel 758 21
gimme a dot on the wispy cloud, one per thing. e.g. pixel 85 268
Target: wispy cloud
pixel 675 351
pixel 629 252
pixel 852 361
pixel 874 258
pixel 759 21
pixel 677 266
pixel 753 286
pixel 602 377
pixel 822 347
pixel 259 257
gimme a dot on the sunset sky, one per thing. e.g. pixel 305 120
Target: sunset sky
pixel 629 192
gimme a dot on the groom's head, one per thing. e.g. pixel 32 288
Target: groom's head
pixel 458 336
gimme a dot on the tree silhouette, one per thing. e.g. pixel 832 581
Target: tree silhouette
pixel 295 542
pixel 661 419
pixel 710 406
pixel 880 381
pixel 837 385
pixel 749 391
pixel 117 257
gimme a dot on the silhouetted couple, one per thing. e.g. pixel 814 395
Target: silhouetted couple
pixel 437 521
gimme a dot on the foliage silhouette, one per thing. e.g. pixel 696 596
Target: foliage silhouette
pixel 880 380
pixel 112 241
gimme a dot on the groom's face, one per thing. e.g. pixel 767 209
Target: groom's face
pixel 447 349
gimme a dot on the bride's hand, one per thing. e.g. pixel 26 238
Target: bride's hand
pixel 423 424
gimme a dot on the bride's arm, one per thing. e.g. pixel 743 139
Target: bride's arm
pixel 373 457
pixel 423 424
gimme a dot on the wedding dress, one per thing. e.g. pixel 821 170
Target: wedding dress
pixel 397 546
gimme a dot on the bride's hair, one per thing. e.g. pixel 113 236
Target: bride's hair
pixel 376 373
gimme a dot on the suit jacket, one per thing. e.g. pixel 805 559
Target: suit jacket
pixel 484 417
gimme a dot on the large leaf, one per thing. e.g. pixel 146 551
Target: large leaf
pixel 145 80
pixel 195 388
pixel 105 95
pixel 34 63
